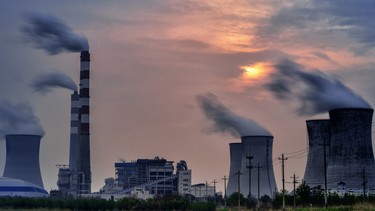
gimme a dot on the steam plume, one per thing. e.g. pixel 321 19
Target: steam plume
pixel 18 119
pixel 315 91
pixel 45 81
pixel 227 122
pixel 51 34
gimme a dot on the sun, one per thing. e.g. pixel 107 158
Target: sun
pixel 252 71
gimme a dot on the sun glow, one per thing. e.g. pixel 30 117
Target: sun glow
pixel 253 71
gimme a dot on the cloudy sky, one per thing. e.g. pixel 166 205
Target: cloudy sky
pixel 152 63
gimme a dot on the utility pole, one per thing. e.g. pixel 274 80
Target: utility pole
pixel 325 173
pixel 238 188
pixel 258 167
pixel 249 166
pixel 283 178
pixel 225 191
pixel 294 190
pixel 206 191
pixel 214 191
pixel 364 182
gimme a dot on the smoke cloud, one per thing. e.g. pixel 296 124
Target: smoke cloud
pixel 226 121
pixel 51 34
pixel 18 119
pixel 44 82
pixel 315 91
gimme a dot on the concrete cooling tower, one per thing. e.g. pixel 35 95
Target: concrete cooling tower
pixel 260 147
pixel 22 158
pixel 351 148
pixel 235 166
pixel 318 134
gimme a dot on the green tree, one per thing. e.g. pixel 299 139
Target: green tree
pixel 303 194
pixel 233 200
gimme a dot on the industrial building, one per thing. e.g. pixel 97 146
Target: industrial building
pixel 346 137
pixel 203 190
pixel 22 158
pixel 318 132
pixel 20 188
pixel 148 176
pixel 252 159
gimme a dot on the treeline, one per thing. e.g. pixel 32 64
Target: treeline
pixel 158 203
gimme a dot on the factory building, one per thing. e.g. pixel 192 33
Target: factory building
pixel 143 171
pixel 202 190
pixel 183 179
pixel 149 176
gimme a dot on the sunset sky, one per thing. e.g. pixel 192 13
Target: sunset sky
pixel 151 59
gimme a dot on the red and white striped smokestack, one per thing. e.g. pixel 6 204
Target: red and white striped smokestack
pixel 74 133
pixel 83 156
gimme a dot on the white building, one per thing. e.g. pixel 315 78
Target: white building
pixel 202 190
pixel 184 182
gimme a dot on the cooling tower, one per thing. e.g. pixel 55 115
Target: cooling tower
pixel 318 135
pixel 74 121
pixel 83 152
pixel 260 147
pixel 351 148
pixel 22 158
pixel 235 166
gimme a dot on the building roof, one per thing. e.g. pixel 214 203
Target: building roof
pixel 17 187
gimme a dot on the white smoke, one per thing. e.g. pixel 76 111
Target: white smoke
pixel 51 34
pixel 315 91
pixel 18 119
pixel 44 82
pixel 226 121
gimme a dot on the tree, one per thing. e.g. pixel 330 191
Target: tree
pixel 303 194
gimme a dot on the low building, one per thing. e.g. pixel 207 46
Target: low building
pixel 21 188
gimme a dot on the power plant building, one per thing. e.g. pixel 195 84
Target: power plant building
pixel 143 171
pixel 318 132
pixel 259 169
pixel 22 158
pixel 351 154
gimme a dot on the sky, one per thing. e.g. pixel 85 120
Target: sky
pixel 153 63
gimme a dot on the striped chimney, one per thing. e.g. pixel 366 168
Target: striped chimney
pixel 74 123
pixel 83 157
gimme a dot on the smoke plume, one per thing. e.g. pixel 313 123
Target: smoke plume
pixel 226 121
pixel 44 82
pixel 315 91
pixel 51 34
pixel 18 119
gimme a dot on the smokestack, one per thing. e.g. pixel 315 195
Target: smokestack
pixel 22 158
pixel 351 148
pixel 83 156
pixel 260 147
pixel 318 135
pixel 74 133
pixel 235 166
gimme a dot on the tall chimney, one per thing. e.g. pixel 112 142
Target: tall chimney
pixel 83 156
pixel 74 133
pixel 22 158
